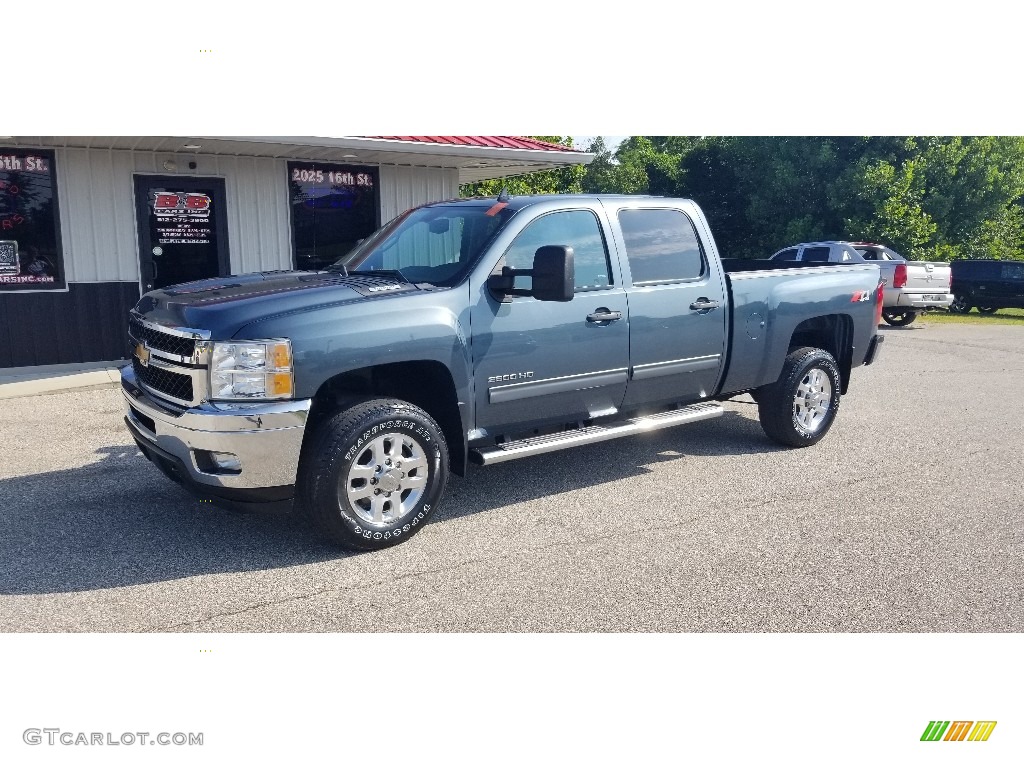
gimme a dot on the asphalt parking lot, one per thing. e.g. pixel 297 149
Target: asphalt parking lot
pixel 907 517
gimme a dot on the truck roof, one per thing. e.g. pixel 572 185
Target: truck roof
pixel 517 202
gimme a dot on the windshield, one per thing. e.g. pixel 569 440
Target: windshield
pixel 433 244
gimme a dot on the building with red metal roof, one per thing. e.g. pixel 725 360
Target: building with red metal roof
pixel 92 222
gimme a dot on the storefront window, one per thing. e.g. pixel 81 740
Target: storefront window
pixel 333 208
pixel 30 251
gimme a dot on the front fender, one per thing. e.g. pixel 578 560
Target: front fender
pixel 332 340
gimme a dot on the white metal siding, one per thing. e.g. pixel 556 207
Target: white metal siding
pixel 402 187
pixel 97 207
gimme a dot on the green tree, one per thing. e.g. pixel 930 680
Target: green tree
pixel 947 197
pixel 567 180
pixel 648 164
pixel 640 165
pixel 928 197
pixel 600 175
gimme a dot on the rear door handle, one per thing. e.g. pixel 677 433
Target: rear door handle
pixel 603 315
pixel 704 305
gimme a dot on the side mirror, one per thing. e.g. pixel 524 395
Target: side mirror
pixel 554 273
pixel 553 276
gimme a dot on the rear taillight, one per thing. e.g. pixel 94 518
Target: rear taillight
pixel 900 278
pixel 880 299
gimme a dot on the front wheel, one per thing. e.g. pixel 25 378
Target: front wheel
pixel 899 317
pixel 799 408
pixel 961 305
pixel 988 310
pixel 373 475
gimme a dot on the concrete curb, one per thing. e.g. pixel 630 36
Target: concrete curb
pixel 45 382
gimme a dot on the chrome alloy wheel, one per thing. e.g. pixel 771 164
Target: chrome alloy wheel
pixel 387 479
pixel 813 397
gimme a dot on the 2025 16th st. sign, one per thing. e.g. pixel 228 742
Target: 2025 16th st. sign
pixel 30 249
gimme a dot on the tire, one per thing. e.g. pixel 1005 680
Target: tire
pixel 988 310
pixel 899 317
pixel 961 305
pixel 799 409
pixel 373 474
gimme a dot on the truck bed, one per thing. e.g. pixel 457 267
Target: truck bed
pixel 775 305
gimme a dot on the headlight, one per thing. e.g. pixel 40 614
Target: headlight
pixel 251 370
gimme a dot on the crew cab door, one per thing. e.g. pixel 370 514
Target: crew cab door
pixel 546 362
pixel 677 304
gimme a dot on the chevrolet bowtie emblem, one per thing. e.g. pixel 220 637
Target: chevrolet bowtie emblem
pixel 142 352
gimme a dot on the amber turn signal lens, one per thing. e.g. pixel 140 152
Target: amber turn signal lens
pixel 280 356
pixel 279 384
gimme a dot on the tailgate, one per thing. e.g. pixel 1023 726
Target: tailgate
pixel 927 277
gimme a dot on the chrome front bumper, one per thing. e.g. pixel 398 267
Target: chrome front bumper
pixel 266 438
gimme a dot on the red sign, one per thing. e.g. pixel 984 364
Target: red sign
pixel 181 217
pixel 181 202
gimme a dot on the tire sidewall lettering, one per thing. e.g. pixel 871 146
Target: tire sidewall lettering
pixel 407 524
pixel 394 425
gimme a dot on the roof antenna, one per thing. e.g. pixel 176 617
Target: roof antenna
pixel 504 196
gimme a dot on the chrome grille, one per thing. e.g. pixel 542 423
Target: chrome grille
pixel 165 342
pixel 172 384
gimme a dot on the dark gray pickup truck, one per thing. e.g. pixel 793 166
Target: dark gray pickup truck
pixel 480 330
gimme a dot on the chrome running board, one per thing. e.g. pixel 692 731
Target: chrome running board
pixel 533 446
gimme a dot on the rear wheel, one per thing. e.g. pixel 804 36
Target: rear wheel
pixel 799 408
pixel 961 305
pixel 899 317
pixel 373 475
pixel 988 310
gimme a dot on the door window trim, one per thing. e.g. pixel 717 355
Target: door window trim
pixel 496 269
pixel 705 270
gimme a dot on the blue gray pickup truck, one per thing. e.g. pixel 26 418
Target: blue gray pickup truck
pixel 480 330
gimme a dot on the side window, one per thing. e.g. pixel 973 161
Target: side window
pixel 819 253
pixel 578 229
pixel 1013 271
pixel 787 255
pixel 661 245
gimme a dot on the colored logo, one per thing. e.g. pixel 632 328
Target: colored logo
pixel 191 203
pixel 142 352
pixel 958 730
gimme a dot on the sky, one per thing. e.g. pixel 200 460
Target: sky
pixel 612 142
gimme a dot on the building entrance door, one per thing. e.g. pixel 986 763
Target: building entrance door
pixel 182 229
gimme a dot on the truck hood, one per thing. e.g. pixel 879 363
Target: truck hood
pixel 222 305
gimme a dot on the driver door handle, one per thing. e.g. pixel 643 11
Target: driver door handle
pixel 704 305
pixel 603 315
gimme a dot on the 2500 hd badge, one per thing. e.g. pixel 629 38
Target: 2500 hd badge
pixel 509 377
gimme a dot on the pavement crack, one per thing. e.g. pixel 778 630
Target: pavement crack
pixel 617 534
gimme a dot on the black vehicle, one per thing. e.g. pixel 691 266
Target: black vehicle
pixel 988 284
